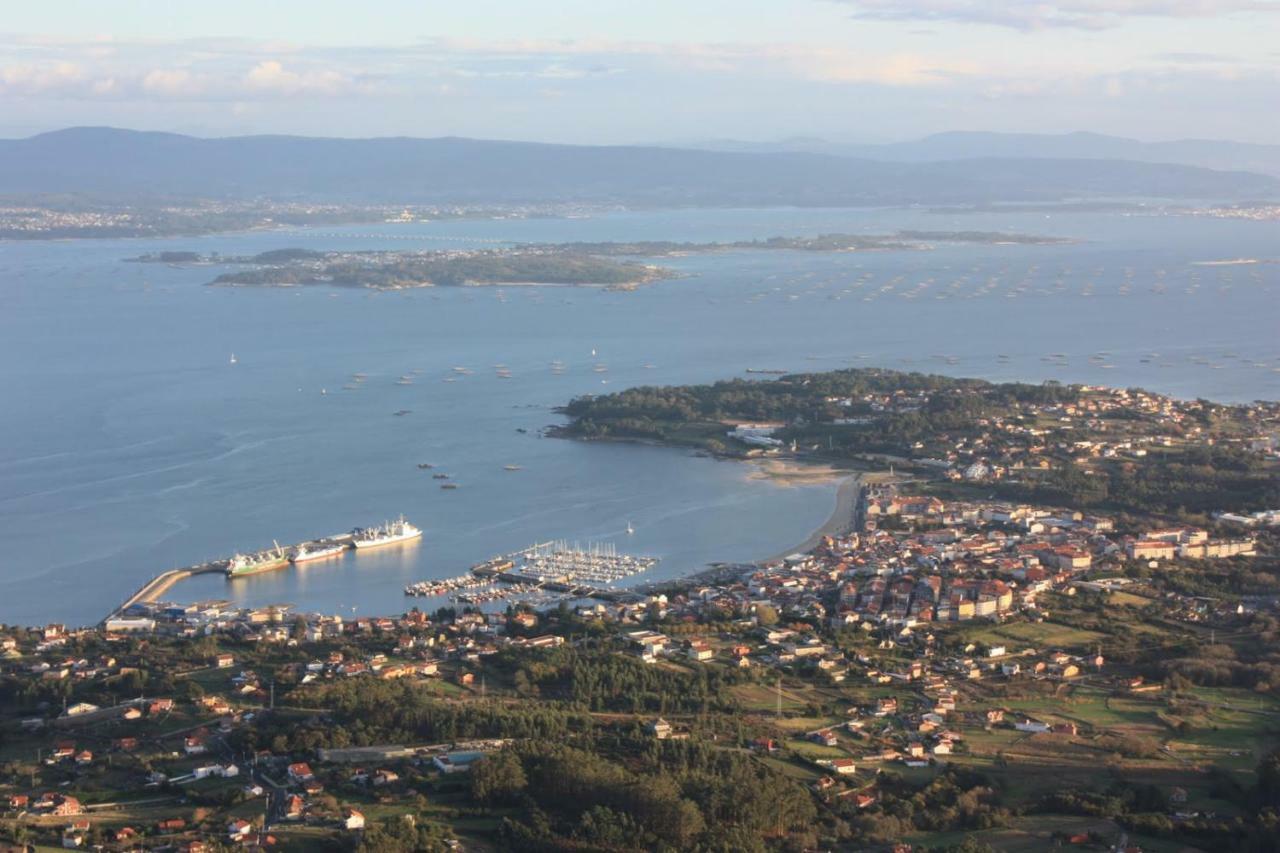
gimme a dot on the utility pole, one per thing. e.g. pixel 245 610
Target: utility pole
pixel 779 697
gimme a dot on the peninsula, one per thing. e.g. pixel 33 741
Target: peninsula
pixel 1086 446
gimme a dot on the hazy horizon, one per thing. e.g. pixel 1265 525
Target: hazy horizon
pixel 857 71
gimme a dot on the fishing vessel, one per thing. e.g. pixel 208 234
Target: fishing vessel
pixel 242 565
pixel 316 551
pixel 384 534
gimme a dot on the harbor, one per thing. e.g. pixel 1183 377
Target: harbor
pixel 241 565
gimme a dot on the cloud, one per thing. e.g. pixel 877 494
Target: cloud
pixel 40 78
pixel 222 79
pixel 272 77
pixel 169 83
pixel 1187 57
pixel 1033 15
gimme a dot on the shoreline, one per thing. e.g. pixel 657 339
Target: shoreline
pixel 837 524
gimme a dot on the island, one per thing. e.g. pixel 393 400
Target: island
pixel 613 265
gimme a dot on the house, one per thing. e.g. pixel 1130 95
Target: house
pixel 1032 726
pixel 384 777
pixel 699 650
pixel 18 802
pixel 660 729
pixel 942 747
pixel 826 737
pixel 224 660
pixel 171 824
pixel 64 806
pixel 238 829
pixel 294 807
pixel 194 745
pixel 300 772
pixel 353 820
pixel 844 766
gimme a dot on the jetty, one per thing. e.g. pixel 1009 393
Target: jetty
pixel 160 584
pixel 157 586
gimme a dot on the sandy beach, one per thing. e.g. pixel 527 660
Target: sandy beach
pixel 788 472
pixel 841 519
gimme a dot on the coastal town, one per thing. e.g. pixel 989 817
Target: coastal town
pixel 946 643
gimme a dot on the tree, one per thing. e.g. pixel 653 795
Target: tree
pixel 497 778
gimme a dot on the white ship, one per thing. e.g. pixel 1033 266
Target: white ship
pixel 385 534
pixel 316 551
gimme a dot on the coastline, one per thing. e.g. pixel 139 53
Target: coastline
pixel 839 522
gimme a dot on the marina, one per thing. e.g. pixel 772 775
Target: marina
pixel 540 575
pixel 598 563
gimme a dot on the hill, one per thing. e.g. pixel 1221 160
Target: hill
pixel 122 165
pixel 1205 153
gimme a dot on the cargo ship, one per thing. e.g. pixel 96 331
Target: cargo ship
pixel 317 551
pixel 385 534
pixel 242 565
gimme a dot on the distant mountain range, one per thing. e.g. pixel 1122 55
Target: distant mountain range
pixel 1207 153
pixel 126 165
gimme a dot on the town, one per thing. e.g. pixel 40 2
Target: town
pixel 955 658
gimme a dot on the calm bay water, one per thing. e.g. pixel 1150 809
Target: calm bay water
pixel 130 444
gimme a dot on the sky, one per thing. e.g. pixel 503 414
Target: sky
pixel 620 71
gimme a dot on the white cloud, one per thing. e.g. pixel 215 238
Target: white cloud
pixel 39 78
pixel 272 77
pixel 1034 15
pixel 171 83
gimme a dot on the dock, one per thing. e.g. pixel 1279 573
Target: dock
pixel 160 584
pixel 563 567
pixel 157 586
pixel 574 590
